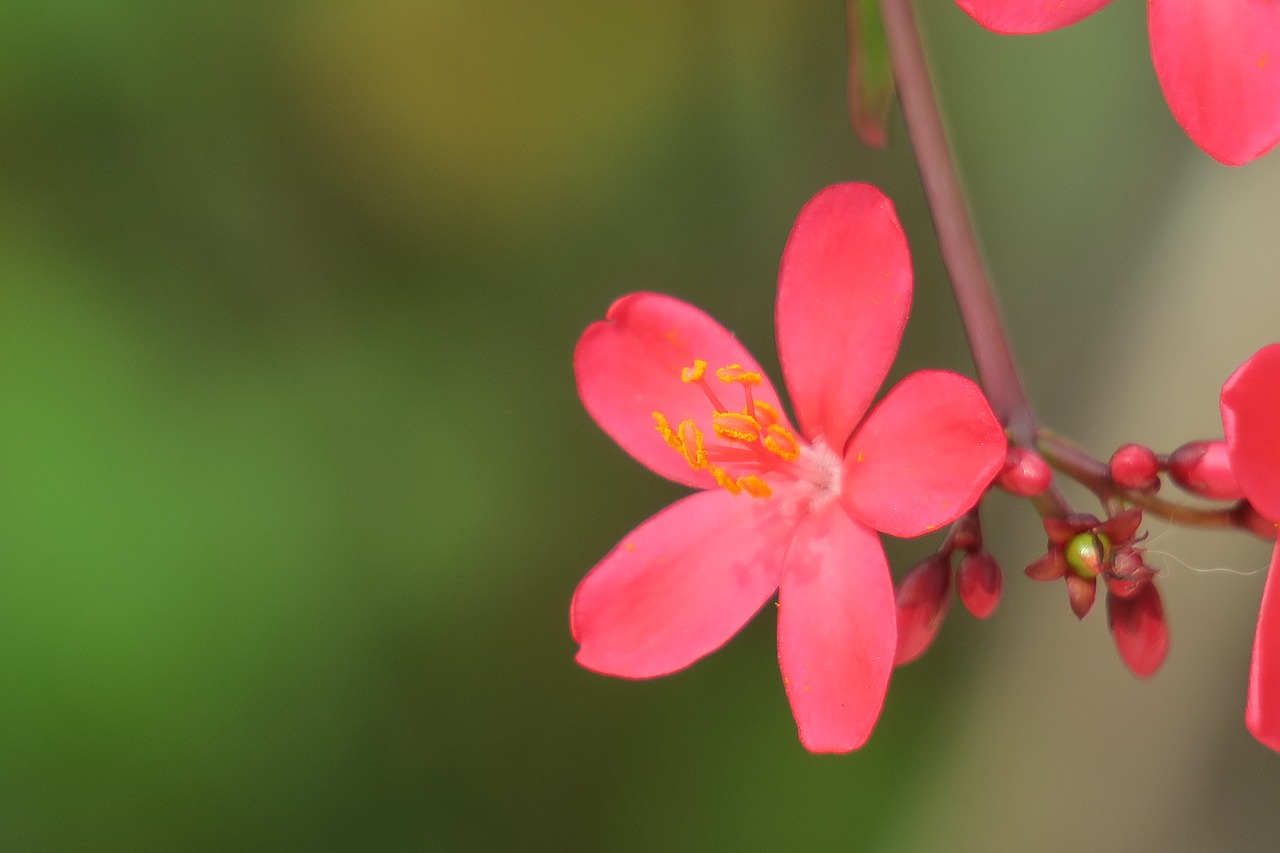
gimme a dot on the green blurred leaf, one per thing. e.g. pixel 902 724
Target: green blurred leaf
pixel 871 89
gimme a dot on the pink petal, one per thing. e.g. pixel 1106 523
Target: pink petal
pixel 844 291
pixel 679 585
pixel 1020 17
pixel 1251 422
pixel 1218 62
pixel 1138 627
pixel 628 366
pixel 924 455
pixel 836 630
pixel 1262 714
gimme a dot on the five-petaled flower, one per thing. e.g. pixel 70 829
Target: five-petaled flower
pixel 780 509
pixel 1218 62
pixel 1251 422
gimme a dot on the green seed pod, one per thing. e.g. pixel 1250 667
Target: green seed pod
pixel 1088 553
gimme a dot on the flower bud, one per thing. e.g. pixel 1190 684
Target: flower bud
pixel 923 596
pixel 1138 627
pixel 1134 466
pixel 1201 467
pixel 1025 473
pixel 979 581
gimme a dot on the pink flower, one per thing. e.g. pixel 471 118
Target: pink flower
pixel 1251 421
pixel 780 508
pixel 1218 62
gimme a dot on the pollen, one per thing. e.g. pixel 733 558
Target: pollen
pixel 736 373
pixel 743 450
pixel 725 480
pixel 692 445
pixel 766 414
pixel 779 441
pixel 754 486
pixel 738 426
pixel 695 373
pixel 664 429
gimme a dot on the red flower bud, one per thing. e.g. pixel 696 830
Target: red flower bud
pixel 1025 473
pixel 1138 627
pixel 979 580
pixel 922 602
pixel 1135 467
pixel 1080 593
pixel 1201 467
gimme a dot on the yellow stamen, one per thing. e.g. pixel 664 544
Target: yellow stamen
pixel 735 425
pixel 736 373
pixel 725 480
pixel 664 429
pixel 779 441
pixel 766 414
pixel 693 374
pixel 694 449
pixel 754 486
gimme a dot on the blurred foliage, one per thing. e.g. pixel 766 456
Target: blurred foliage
pixel 295 484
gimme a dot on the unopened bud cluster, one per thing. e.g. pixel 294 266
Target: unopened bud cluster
pixel 1198 467
pixel 925 592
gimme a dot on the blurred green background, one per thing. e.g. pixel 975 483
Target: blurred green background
pixel 295 487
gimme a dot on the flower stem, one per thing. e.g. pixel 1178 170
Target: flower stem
pixel 988 340
pixel 1074 461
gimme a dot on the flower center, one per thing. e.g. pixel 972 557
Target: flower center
pixel 745 445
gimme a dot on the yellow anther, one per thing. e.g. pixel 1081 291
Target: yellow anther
pixel 736 373
pixel 693 374
pixel 765 413
pixel 692 446
pixel 754 486
pixel 779 441
pixel 663 426
pixel 736 425
pixel 725 480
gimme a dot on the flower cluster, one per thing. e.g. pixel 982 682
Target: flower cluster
pixel 794 509
pixel 1083 549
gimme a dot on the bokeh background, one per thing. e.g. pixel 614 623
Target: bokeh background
pixel 295 487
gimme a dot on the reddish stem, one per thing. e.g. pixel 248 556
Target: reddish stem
pixel 988 340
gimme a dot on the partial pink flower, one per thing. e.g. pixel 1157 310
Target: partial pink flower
pixel 781 508
pixel 1218 62
pixel 1251 422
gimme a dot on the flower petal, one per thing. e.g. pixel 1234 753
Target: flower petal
pixel 836 630
pixel 923 456
pixel 844 291
pixel 1262 713
pixel 679 585
pixel 1219 66
pixel 628 367
pixel 1251 423
pixel 1138 627
pixel 1020 17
